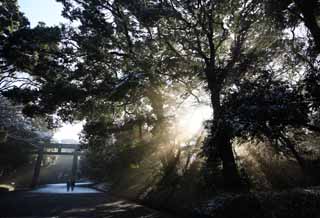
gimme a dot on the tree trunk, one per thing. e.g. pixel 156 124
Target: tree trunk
pixel 221 136
pixel 231 175
pixel 157 105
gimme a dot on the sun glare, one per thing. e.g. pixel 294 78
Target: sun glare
pixel 69 132
pixel 191 122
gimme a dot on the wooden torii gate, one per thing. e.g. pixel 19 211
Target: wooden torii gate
pixel 42 151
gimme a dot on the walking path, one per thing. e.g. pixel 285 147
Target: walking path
pixel 81 188
pixel 55 201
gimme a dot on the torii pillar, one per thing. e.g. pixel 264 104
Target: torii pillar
pixel 74 166
pixel 36 173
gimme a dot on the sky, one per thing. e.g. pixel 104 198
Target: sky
pixel 68 132
pixel 49 11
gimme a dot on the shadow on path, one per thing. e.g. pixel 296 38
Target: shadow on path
pixel 98 204
pixel 116 209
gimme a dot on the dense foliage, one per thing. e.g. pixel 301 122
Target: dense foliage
pixel 21 52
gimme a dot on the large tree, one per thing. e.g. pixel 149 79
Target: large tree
pixel 213 40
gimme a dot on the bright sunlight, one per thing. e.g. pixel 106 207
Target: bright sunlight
pixel 191 121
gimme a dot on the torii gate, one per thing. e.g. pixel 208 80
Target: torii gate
pixel 41 151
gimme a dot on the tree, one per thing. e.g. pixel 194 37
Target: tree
pixel 36 58
pixel 291 13
pixel 24 50
pixel 24 135
pixel 268 108
pixel 304 48
pixel 208 45
pixel 217 36
pixel 11 21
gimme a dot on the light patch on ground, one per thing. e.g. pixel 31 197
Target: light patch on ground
pixel 62 189
pixel 9 187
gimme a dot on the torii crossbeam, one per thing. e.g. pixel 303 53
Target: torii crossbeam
pixel 41 151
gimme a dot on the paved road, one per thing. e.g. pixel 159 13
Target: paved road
pixel 43 204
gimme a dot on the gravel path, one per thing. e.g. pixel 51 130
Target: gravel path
pixel 34 204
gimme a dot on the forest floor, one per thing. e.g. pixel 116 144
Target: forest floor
pixel 292 203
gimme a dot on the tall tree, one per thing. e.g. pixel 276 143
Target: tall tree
pixel 218 35
pixel 214 36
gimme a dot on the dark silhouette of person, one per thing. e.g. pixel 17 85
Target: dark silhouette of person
pixel 73 184
pixel 68 185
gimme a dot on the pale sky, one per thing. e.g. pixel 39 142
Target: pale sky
pixel 49 11
pixel 69 131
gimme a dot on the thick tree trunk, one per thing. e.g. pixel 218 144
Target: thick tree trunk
pixel 221 136
pixel 231 175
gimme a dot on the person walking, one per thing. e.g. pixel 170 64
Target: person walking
pixel 73 184
pixel 68 185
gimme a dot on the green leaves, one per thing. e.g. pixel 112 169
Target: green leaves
pixel 22 134
pixel 12 19
pixel 28 49
pixel 266 106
